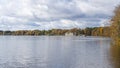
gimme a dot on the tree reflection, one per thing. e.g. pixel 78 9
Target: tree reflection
pixel 115 55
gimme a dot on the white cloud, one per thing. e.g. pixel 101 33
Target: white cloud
pixel 48 14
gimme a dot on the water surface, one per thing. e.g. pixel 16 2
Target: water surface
pixel 55 52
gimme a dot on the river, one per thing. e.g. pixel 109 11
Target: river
pixel 56 52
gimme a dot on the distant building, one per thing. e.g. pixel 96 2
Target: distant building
pixel 69 34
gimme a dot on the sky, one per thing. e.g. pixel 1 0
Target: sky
pixel 55 14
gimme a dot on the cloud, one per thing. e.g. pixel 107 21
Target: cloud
pixel 48 14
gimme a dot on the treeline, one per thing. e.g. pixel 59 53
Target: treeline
pixel 51 32
pixel 96 31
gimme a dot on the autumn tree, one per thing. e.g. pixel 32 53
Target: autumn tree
pixel 115 25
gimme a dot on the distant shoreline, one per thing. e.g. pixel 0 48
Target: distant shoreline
pixel 93 31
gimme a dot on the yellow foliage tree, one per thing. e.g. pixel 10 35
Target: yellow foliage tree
pixel 115 26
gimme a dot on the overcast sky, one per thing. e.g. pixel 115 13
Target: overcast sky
pixel 49 14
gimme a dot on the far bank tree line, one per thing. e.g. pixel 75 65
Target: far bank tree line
pixel 96 31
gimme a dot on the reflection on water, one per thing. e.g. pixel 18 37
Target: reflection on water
pixel 54 52
pixel 115 55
